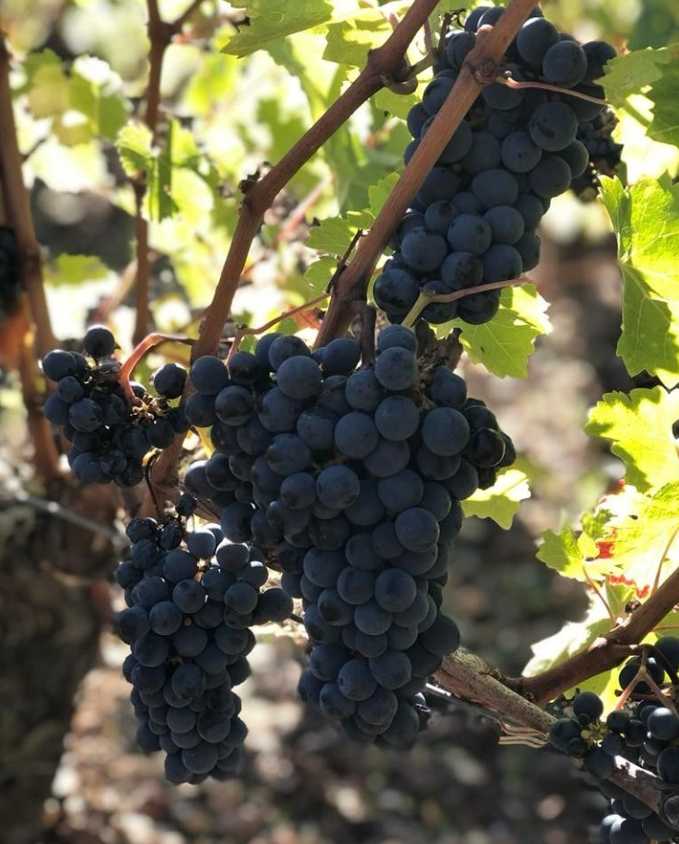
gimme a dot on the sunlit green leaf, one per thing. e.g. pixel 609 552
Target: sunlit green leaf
pixel 640 428
pixel 645 217
pixel 502 501
pixel 504 344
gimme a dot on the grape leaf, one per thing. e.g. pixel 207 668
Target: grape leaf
pixel 663 94
pixel 640 529
pixel 349 40
pixel 335 234
pixel 630 74
pixel 576 636
pixel 640 428
pixel 74 269
pixel 645 217
pixel 269 20
pixel 501 502
pixel 572 556
pixel 504 344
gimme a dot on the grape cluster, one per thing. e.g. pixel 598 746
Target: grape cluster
pixel 111 432
pixel 191 600
pixel 350 480
pixel 645 731
pixel 474 220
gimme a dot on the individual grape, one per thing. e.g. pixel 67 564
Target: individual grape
pixel 417 529
pixel 441 183
pixel 500 263
pixel 461 270
pixel 501 97
pixel 99 342
pixel 553 126
pixel 495 187
pixel 588 704
pixel 59 364
pixel 469 233
pixel 395 590
pixel 284 347
pixel 299 377
pixel 362 390
pixel 506 224
pixel 423 251
pixel 355 680
pixel 169 380
pixel 396 290
pixel 356 435
pixel 519 152
pixel 341 356
pixel 530 208
pixel 85 415
pixel 435 93
pixel 208 375
pixel 443 637
pixel 565 64
pixel 337 486
pixel 534 38
pixel 396 368
pixel 551 176
pixel 233 405
pixel 445 431
pixel 397 418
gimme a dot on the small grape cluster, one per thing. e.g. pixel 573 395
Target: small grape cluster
pixel 111 433
pixel 350 480
pixel 192 598
pixel 645 731
pixel 604 153
pixel 474 220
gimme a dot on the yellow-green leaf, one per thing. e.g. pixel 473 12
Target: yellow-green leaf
pixel 502 501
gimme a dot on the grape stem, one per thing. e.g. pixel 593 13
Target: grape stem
pixel 512 83
pixel 467 677
pixel 479 69
pixel 149 342
pixel 160 35
pixel 33 302
pixel 425 298
pixel 606 652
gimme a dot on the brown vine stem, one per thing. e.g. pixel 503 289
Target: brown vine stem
pixel 385 63
pixel 18 218
pixel 469 678
pixel 160 34
pixel 606 652
pixel 480 68
pixel 18 211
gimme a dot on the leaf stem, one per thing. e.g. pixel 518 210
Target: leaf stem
pixel 425 299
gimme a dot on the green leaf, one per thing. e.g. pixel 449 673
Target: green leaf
pixel 379 193
pixel 641 530
pixel 74 269
pixel 663 94
pixel 645 217
pixel 571 639
pixel 640 427
pixel 571 555
pixel 349 41
pixel 319 273
pixel 335 234
pixel 47 84
pixel 504 344
pixel 269 20
pixel 502 501
pixel 134 146
pixel 630 74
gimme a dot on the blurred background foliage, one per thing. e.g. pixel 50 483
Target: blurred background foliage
pixel 80 73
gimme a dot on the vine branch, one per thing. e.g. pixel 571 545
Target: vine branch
pixel 384 64
pixel 19 219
